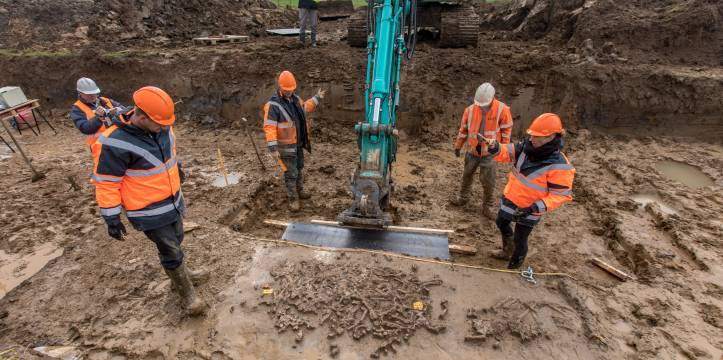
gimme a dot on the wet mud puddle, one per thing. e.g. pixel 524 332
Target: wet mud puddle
pixel 648 198
pixel 230 179
pixel 16 268
pixel 683 173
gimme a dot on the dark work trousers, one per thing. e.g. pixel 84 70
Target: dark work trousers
pixel 168 240
pixel 311 16
pixel 521 233
pixel 293 177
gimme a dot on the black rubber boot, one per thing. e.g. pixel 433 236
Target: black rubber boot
pixel 515 263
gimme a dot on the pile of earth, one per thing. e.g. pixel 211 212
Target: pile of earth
pixel 112 23
pixel 658 31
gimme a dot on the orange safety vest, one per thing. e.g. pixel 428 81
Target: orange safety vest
pixel 548 184
pixel 497 125
pixel 90 113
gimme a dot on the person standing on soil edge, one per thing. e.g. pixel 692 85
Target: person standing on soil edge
pixel 491 119
pixel 308 11
pixel 287 133
pixel 540 181
pixel 90 112
pixel 137 169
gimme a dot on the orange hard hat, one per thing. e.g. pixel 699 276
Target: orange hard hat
pixel 156 103
pixel 287 82
pixel 545 125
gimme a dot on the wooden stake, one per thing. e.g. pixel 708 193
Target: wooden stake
pixel 253 142
pixel 221 167
pixel 611 270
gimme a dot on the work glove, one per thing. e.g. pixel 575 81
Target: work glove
pixel 275 155
pixel 456 152
pixel 524 212
pixel 117 230
pixel 320 93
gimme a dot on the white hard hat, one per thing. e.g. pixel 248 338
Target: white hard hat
pixel 87 86
pixel 484 95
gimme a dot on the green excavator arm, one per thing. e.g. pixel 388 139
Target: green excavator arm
pixel 391 26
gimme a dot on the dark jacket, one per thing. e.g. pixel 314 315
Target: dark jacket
pixel 292 105
pixel 139 172
pixel 308 4
pixel 542 184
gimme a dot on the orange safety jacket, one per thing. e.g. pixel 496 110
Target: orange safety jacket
pixel 497 125
pixel 546 183
pixel 139 172
pixel 281 122
pixel 90 113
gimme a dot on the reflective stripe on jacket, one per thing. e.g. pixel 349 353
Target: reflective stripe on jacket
pixel 139 172
pixel 497 125
pixel 546 183
pixel 281 122
pixel 89 115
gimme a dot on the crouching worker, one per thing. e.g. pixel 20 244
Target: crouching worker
pixel 540 181
pixel 137 170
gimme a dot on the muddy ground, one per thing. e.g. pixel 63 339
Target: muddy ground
pixel 644 136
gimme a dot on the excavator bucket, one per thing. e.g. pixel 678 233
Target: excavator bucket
pixel 408 241
pixel 335 9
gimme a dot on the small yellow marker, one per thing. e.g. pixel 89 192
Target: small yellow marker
pixel 268 291
pixel 418 305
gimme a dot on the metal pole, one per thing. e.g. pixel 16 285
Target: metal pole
pixel 36 175
pixel 6 144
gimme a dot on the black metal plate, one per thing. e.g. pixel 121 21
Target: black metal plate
pixel 414 244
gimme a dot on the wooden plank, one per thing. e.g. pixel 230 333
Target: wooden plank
pixel 211 40
pixel 28 105
pixel 391 228
pixel 462 249
pixel 276 223
pixel 611 270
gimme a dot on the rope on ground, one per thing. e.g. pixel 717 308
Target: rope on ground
pixel 400 256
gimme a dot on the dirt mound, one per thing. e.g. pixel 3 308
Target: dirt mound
pixel 388 304
pixel 109 23
pixel 687 32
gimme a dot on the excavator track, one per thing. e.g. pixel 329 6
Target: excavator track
pixel 459 27
pixel 357 29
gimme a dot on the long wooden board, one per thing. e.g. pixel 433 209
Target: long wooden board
pixel 611 270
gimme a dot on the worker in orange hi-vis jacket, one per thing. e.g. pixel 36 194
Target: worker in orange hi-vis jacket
pixel 137 170
pixel 488 118
pixel 287 133
pixel 540 181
